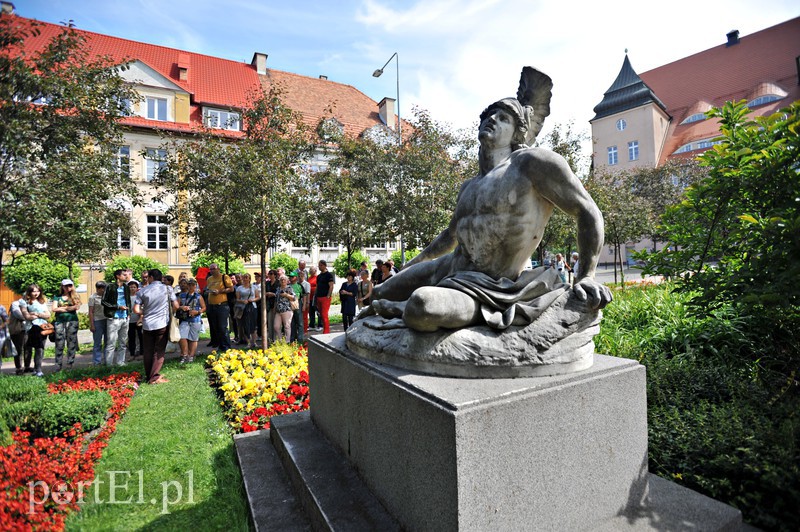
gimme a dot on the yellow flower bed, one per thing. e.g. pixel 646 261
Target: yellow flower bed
pixel 250 379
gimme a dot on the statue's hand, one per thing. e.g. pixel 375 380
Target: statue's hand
pixel 595 294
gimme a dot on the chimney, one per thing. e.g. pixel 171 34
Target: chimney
pixel 386 112
pixel 183 67
pixel 733 37
pixel 259 61
pixel 323 76
pixel 7 8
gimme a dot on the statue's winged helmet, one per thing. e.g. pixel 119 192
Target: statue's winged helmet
pixel 529 108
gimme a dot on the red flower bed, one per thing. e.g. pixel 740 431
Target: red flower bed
pixel 294 400
pixel 42 480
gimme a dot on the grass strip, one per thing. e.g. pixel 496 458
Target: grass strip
pixel 171 465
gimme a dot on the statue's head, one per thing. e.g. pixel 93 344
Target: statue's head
pixel 522 115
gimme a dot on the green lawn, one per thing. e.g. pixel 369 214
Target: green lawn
pixel 171 461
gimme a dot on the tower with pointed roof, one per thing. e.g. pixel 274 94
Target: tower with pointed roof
pixel 629 123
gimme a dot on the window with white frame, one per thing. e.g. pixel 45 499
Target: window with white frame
pixel 157 232
pixel 123 241
pixel 613 156
pixel 219 119
pixel 122 161
pixel 156 108
pixel 155 160
pixel 621 124
pixel 633 150
pixel 328 244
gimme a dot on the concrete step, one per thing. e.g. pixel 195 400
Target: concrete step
pixel 273 504
pixel 331 492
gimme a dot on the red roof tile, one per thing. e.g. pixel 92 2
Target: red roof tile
pixel 212 80
pixel 225 83
pixel 313 98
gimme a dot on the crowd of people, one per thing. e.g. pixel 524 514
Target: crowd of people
pixel 132 318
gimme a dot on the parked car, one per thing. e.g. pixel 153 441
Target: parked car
pixel 534 264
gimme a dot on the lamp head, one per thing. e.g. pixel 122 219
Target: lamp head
pixel 377 73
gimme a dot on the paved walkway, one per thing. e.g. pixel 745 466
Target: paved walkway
pixel 84 357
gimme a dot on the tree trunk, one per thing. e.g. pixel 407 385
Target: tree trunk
pixel 263 317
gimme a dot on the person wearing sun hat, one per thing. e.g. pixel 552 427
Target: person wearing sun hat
pixel 65 307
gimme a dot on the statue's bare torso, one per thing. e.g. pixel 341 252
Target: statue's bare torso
pixel 499 220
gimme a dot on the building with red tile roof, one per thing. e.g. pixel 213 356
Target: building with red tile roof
pixel 181 92
pixel 647 119
pixel 650 118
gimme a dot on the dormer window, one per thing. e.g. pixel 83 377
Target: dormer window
pixel 219 119
pixel 762 100
pixel 697 117
pixel 157 108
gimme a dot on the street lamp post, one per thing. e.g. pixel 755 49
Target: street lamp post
pixel 378 74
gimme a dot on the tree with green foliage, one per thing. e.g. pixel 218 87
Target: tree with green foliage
pixel 625 217
pixel 434 163
pixel 228 264
pixel 375 190
pixel 37 268
pixel 735 236
pixel 248 190
pixel 136 263
pixel 662 187
pixel 59 127
pixel 348 197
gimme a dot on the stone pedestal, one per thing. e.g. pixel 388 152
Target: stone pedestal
pixel 546 453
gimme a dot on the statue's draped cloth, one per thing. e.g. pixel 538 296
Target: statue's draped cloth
pixel 534 325
pixel 505 302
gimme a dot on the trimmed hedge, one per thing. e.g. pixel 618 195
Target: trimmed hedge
pixel 54 414
pixel 17 389
pixel 62 410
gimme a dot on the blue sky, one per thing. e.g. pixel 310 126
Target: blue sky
pixel 455 56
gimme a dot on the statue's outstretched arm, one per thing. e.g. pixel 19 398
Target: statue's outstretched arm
pixel 552 178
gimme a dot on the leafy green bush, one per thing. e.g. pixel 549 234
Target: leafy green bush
pixel 204 259
pixel 723 409
pixel 341 266
pixel 282 260
pixel 734 237
pixel 397 255
pixel 19 389
pixel 37 268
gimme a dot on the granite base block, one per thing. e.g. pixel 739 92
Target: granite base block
pixel 547 453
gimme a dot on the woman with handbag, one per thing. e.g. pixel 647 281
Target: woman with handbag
pixel 245 311
pixel 65 307
pixel 190 317
pixel 284 296
pixel 34 309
